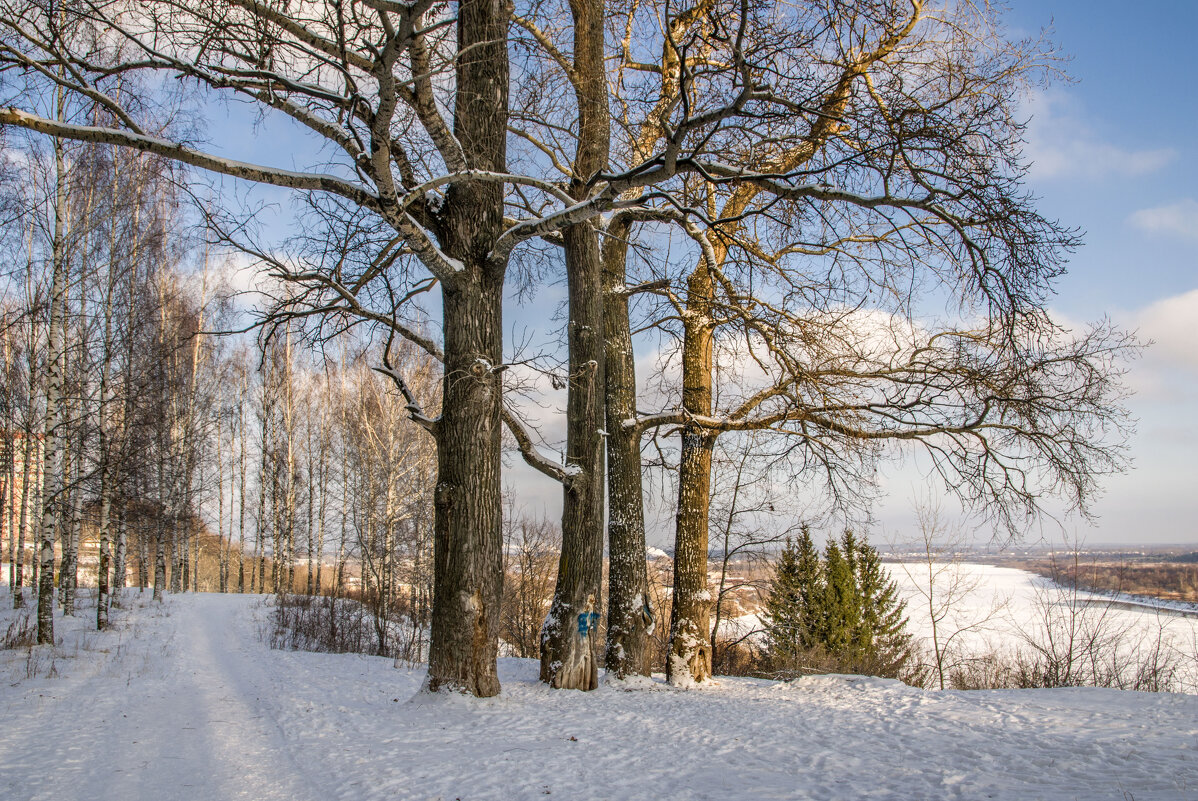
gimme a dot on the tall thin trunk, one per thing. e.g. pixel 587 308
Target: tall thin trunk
pixel 55 366
pixel 160 560
pixel 311 508
pixel 119 551
pixel 629 612
pixel 241 492
pixel 9 502
pixel 690 618
pixel 143 558
pixel 258 572
pixel 223 556
pixel 69 578
pixel 163 500
pixel 30 453
pixel 570 636
pixel 324 495
pixel 105 441
pixel 195 554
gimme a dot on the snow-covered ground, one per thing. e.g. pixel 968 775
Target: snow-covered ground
pixel 185 701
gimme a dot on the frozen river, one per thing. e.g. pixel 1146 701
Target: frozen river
pixel 983 609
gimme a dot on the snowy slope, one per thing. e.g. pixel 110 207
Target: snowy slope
pixel 186 702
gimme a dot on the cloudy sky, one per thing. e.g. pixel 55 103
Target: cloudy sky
pixel 1113 153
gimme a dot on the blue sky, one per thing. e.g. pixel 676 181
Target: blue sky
pixel 1113 153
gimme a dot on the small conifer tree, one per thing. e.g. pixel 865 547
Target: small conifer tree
pixel 838 613
pixel 793 609
pixel 881 639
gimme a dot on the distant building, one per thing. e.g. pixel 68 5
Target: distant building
pixel 15 449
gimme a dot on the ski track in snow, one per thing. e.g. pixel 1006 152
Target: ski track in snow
pixel 185 701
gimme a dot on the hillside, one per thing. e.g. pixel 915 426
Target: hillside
pixel 184 701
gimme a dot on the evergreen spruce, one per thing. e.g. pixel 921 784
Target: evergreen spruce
pixel 881 637
pixel 841 602
pixel 793 610
pixel 839 613
pixel 784 609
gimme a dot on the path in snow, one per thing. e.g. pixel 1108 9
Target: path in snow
pixel 186 702
pixel 175 712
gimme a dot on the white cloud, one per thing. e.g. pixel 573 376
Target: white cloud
pixel 1063 143
pixel 1179 219
pixel 1170 324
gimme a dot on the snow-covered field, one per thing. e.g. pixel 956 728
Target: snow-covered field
pixel 184 701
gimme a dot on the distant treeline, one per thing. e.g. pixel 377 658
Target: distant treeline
pixel 1175 580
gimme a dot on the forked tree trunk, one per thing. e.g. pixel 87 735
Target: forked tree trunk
pixel 629 613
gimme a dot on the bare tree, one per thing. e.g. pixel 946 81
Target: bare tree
pixel 942 587
pixel 531 548
pixel 810 171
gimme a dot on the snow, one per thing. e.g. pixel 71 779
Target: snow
pixel 183 700
pixel 999 608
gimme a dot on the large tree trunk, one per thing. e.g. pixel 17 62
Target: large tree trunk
pixel 629 614
pixel 569 638
pixel 468 541
pixel 690 618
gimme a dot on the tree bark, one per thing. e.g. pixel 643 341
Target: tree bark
pixel 55 366
pixel 629 613
pixel 690 617
pixel 468 541
pixel 569 638
pixel 18 592
pixel 241 491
